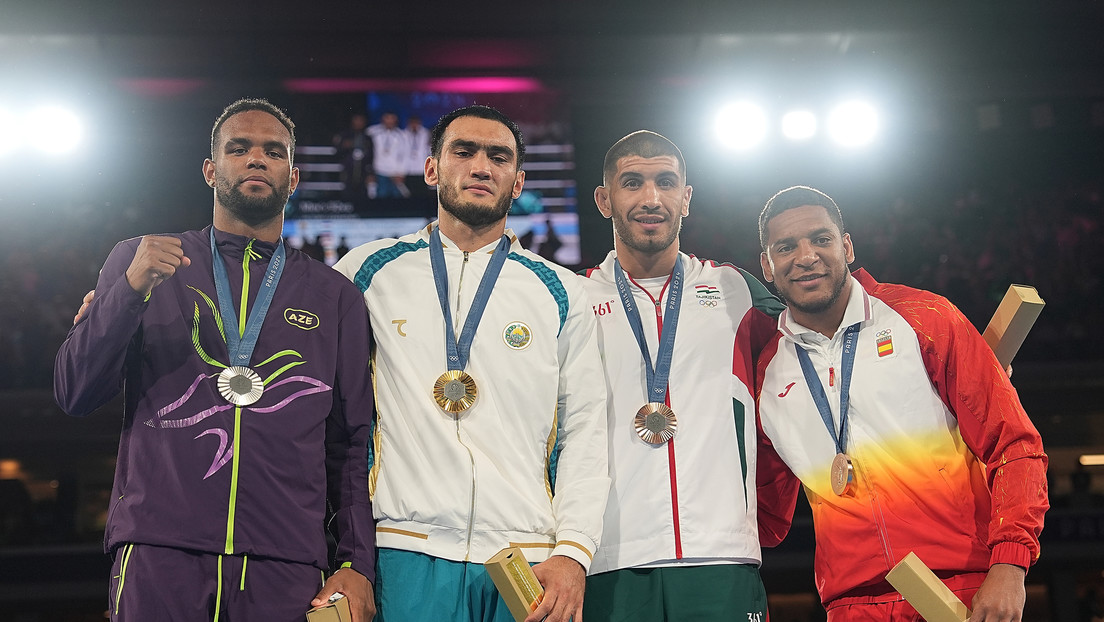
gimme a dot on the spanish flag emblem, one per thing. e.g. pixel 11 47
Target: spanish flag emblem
pixel 884 339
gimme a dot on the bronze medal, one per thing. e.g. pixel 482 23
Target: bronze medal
pixel 240 386
pixel 455 391
pixel 656 423
pixel 843 474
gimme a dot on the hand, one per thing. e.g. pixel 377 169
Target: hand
pixel 84 306
pixel 1001 596
pixel 157 259
pixel 564 580
pixel 1008 370
pixel 362 600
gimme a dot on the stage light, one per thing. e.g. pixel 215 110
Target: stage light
pixel 53 129
pixel 741 125
pixel 799 125
pixel 853 124
pixel 9 132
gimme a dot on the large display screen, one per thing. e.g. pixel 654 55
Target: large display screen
pixel 366 181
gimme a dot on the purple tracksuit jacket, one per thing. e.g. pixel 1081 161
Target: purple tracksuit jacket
pixel 194 471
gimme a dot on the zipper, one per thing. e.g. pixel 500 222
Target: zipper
pixel 471 456
pixel 676 523
pixel 231 510
pixel 671 470
pixel 861 474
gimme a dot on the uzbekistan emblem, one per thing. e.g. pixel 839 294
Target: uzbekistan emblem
pixel 708 295
pixel 517 335
pixel 884 340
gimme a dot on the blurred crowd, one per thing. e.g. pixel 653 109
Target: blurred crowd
pixel 968 247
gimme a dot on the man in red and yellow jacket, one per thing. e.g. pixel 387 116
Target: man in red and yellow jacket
pixel 891 410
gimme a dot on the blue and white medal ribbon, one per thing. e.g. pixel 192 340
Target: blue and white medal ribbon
pixel 655 422
pixel 239 384
pixel 843 472
pixel 455 391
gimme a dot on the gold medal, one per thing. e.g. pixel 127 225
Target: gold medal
pixel 455 391
pixel 656 423
pixel 843 474
pixel 240 386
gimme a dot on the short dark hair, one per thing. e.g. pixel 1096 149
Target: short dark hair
pixel 793 197
pixel 437 136
pixel 643 143
pixel 245 105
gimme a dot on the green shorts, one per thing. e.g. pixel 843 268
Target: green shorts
pixel 700 593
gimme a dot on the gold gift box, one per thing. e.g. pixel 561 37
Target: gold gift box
pixel 334 611
pixel 1013 319
pixel 515 580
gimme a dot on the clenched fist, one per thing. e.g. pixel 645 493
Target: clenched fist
pixel 158 257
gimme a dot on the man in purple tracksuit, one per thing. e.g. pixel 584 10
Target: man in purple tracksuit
pixel 244 369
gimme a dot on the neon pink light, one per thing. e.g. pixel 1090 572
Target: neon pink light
pixel 503 84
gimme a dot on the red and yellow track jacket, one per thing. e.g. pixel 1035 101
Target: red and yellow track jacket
pixel 947 463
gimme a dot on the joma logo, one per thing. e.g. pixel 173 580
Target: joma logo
pixel 303 319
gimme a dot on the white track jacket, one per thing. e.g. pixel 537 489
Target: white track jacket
pixel 691 500
pixel 526 464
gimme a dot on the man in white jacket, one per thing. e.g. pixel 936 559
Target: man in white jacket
pixel 490 424
pixel 680 539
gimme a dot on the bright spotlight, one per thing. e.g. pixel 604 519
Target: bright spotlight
pixel 853 124
pixel 9 132
pixel 741 126
pixel 799 125
pixel 53 130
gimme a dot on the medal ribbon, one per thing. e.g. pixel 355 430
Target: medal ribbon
pixel 240 346
pixel 458 351
pixel 657 376
pixel 817 389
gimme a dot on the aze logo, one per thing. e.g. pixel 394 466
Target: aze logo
pixel 301 319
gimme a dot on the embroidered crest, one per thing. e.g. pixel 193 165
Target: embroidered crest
pixel 708 295
pixel 517 335
pixel 884 340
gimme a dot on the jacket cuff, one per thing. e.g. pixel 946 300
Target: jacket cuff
pixel 364 567
pixel 129 298
pixel 1011 553
pixel 576 546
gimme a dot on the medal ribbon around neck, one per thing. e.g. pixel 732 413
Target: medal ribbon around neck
pixel 239 384
pixel 816 389
pixel 458 351
pixel 656 376
pixel 655 422
pixel 240 345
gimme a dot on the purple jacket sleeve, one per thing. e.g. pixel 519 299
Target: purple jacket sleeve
pixel 348 434
pixel 89 367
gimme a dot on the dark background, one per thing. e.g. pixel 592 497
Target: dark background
pixel 941 201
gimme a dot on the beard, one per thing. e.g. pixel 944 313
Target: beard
pixel 642 243
pixel 813 307
pixel 252 210
pixel 470 213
